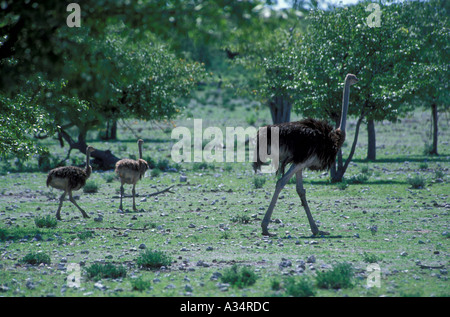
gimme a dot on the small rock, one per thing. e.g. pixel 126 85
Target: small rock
pixel 311 259
pixel 284 263
pixel 188 288
pixel 215 276
pixel 403 253
pixel 99 286
pixel 183 178
pixel 142 246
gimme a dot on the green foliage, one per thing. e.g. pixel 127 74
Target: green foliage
pixel 17 233
pixel 259 181
pixel 97 271
pixel 85 235
pixel 339 277
pixel 302 287
pixel 139 284
pixel 239 276
pixel 46 222
pixel 153 260
pixel 91 187
pixel 36 258
pixel 370 258
pixel 417 181
pixel 155 172
pixel 244 219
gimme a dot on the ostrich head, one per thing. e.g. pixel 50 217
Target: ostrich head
pixel 89 149
pixel 352 79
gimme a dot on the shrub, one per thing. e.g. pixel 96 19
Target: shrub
pixel 85 235
pixel 358 178
pixel 45 222
pixel 153 260
pixel 163 165
pixel 416 182
pixel 239 277
pixel 139 284
pixel 155 172
pixel 109 177
pixel 91 187
pixel 98 271
pixel 35 258
pixel 200 166
pixel 339 277
pixel 259 181
pixel 241 219
pixel 370 258
pixel 299 288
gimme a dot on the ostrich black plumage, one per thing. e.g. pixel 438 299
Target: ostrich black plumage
pixel 308 143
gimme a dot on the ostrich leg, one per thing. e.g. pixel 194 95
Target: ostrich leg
pixel 58 212
pixel 121 195
pixel 280 184
pixel 134 194
pixel 302 194
pixel 85 215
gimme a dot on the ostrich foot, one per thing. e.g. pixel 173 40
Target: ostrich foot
pixel 267 234
pixel 321 233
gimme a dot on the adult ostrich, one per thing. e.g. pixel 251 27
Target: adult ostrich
pixel 130 171
pixel 308 143
pixel 68 179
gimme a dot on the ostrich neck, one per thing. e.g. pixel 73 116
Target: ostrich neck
pixel 88 166
pixel 345 100
pixel 140 151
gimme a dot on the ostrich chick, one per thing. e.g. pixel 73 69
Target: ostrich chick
pixel 69 178
pixel 130 171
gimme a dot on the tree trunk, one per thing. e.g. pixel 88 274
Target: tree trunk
pixel 371 144
pixel 105 160
pixel 280 109
pixel 434 115
pixel 338 174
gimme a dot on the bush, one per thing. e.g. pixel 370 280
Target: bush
pixel 259 181
pixel 97 271
pixel 139 284
pixel 339 277
pixel 153 260
pixel 155 172
pixel 299 288
pixel 36 258
pixel 241 219
pixel 45 222
pixel 370 258
pixel 91 187
pixel 85 235
pixel 239 277
pixel 358 178
pixel 416 182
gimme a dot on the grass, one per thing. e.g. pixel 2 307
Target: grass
pixel 98 271
pixel 36 258
pixel 239 276
pixel 339 277
pixel 46 222
pixel 212 221
pixel 153 260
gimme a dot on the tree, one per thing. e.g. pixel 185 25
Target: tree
pixel 340 42
pixel 430 34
